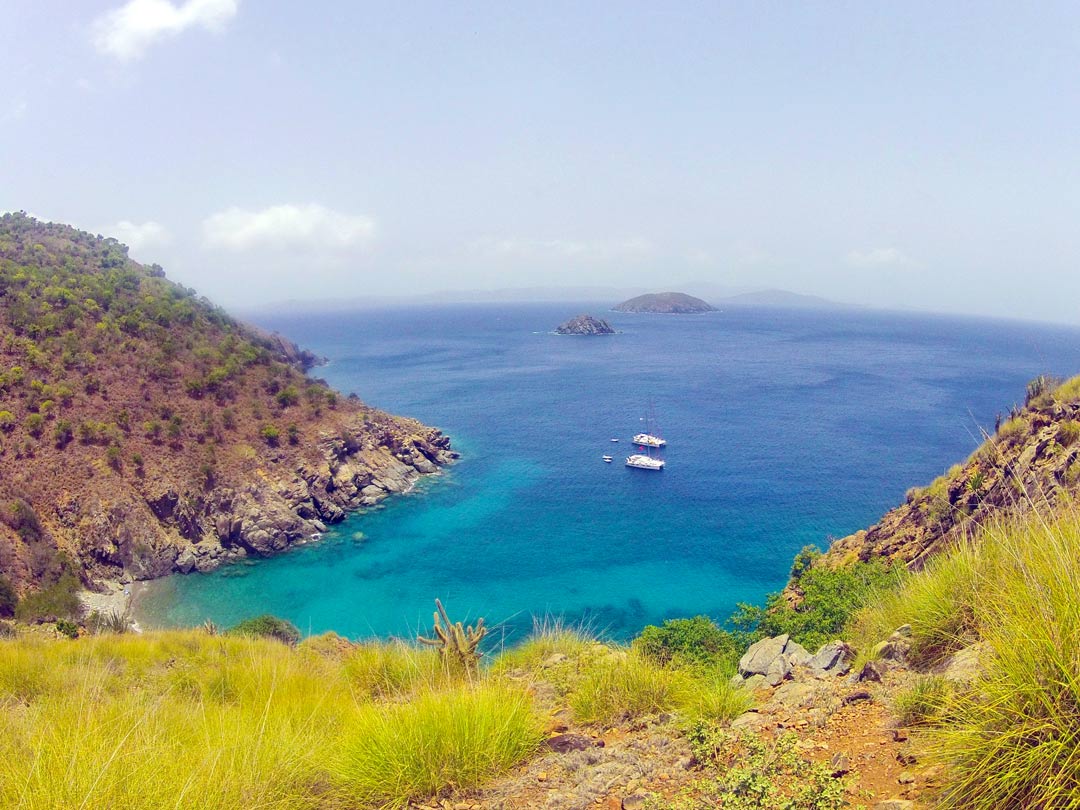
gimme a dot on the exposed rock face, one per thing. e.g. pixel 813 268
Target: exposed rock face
pixel 668 303
pixel 585 325
pixel 258 517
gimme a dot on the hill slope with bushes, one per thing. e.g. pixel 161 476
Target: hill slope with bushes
pixel 144 431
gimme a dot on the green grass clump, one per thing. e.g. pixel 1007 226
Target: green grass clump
pixel 392 669
pixel 938 603
pixel 1011 737
pixel 1068 392
pixel 1068 432
pixel 626 684
pixel 1013 430
pixel 924 703
pixel 458 738
pixel 189 719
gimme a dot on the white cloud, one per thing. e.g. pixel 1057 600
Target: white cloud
pixel 878 257
pixel 283 226
pixel 137 237
pixel 127 32
pixel 590 250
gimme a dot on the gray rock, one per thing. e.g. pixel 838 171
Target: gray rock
pixel 796 654
pixel 904 631
pixel 759 656
pixel 832 658
pixel 778 671
pixel 796 694
pixel 635 802
pixel 870 672
pixel 895 804
pixel 185 561
pixel 754 682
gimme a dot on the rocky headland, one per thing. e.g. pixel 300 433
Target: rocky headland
pixel 143 431
pixel 666 303
pixel 585 325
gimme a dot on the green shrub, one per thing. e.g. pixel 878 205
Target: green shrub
pixel 689 641
pixel 62 433
pixel 68 628
pixel 831 596
pixel 806 557
pixel 751 773
pixel 34 424
pixel 398 753
pixel 268 626
pixel 270 434
pixel 8 598
pixel 56 601
pixel 7 421
pixel 287 396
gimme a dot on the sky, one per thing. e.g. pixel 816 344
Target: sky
pixel 903 155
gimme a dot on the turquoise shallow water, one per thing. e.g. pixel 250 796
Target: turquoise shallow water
pixel 784 428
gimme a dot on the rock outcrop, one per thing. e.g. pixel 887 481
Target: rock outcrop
pixel 585 325
pixel 667 303
pixel 1032 460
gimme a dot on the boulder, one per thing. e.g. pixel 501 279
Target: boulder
pixel 565 743
pixel 833 658
pixel 779 670
pixel 760 655
pixel 185 561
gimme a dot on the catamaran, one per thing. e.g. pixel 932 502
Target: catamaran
pixel 644 462
pixel 649 440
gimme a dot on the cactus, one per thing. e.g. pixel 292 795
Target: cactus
pixel 458 645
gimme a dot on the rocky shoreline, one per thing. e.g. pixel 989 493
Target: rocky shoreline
pixel 263 514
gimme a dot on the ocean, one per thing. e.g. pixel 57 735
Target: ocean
pixel 785 428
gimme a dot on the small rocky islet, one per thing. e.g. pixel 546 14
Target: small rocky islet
pixel 585 325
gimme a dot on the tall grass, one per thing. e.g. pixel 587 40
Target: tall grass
pixel 457 738
pixel 624 685
pixel 1012 737
pixel 186 719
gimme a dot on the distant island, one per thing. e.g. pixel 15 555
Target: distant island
pixel 668 303
pixel 585 325
pixel 780 299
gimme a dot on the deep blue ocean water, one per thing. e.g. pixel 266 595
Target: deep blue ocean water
pixel 785 428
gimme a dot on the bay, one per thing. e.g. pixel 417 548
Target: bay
pixel 785 428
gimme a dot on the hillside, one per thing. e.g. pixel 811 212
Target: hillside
pixel 666 303
pixel 1033 459
pixel 144 431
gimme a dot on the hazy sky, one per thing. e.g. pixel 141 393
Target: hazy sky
pixel 895 154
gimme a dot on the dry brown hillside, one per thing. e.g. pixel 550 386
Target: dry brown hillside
pixel 143 430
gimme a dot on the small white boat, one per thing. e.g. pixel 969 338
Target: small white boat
pixel 615 440
pixel 608 459
pixel 643 462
